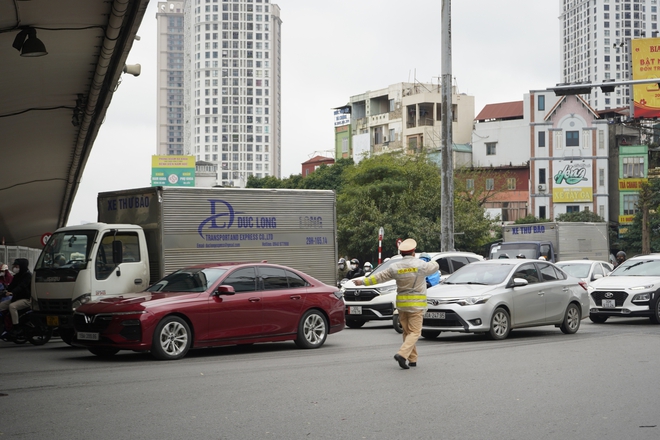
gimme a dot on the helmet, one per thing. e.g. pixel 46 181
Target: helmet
pixel 341 261
pixel 542 258
pixel 521 256
pixel 621 254
pixel 367 264
pixel 355 261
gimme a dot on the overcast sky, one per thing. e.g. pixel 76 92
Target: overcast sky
pixel 332 50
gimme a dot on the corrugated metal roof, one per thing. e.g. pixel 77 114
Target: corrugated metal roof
pixel 501 110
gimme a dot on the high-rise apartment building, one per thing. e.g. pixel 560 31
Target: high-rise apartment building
pixel 595 37
pixel 230 103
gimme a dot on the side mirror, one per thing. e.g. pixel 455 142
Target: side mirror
pixel 517 282
pixel 596 276
pixel 226 290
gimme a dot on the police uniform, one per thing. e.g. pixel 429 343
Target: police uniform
pixel 410 274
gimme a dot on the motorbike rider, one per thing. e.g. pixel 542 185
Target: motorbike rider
pixel 20 291
pixel 620 257
pixel 367 268
pixel 342 270
pixel 356 271
pixel 5 279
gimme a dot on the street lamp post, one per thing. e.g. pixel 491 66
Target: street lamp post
pixel 447 166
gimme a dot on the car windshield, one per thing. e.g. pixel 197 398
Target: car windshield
pixel 641 268
pixel 577 270
pixel 487 274
pixel 188 280
pixel 385 265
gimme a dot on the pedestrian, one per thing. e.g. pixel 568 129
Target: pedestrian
pixel 620 257
pixel 410 274
pixel 20 291
pixel 356 270
pixel 342 270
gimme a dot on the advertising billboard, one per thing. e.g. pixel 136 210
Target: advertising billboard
pixel 646 65
pixel 173 171
pixel 572 183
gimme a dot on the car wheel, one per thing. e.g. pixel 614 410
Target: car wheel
pixel 500 324
pixel 655 318
pixel 430 334
pixel 312 330
pixel 397 324
pixel 597 318
pixel 353 323
pixel 66 334
pixel 103 351
pixel 172 339
pixel 571 322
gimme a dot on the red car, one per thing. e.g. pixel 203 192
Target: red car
pixel 211 305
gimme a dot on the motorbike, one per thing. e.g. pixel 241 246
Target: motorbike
pixel 34 330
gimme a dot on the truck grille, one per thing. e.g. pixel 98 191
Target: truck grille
pixel 599 295
pixel 55 305
pixel 360 294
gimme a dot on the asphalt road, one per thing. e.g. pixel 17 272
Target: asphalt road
pixel 539 384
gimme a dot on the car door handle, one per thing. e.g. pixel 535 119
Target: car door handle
pixel 295 297
pixel 254 300
pixel 541 293
pixel 566 289
pixel 137 281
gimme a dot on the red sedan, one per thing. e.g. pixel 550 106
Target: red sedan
pixel 211 305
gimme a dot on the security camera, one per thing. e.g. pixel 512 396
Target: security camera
pixel 133 69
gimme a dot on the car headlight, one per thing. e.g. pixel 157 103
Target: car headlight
pixel 473 300
pixel 642 297
pixel 648 287
pixel 387 289
pixel 82 299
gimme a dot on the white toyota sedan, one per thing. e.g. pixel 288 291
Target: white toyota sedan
pixel 496 296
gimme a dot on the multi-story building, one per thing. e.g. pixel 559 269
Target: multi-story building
pixel 403 117
pixel 230 71
pixel 595 38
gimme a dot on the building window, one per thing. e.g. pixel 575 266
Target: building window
pixel 541 102
pixel 469 184
pixel 630 204
pixel 511 183
pixel 490 184
pixel 633 167
pixel 542 175
pixel 601 177
pixel 490 148
pixel 572 208
pixel 601 210
pixel 541 138
pixel 572 138
pixel 542 212
pixel 344 145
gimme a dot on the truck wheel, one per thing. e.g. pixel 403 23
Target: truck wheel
pixel 312 330
pixel 354 323
pixel 500 324
pixel 397 324
pixel 597 319
pixel 571 322
pixel 103 352
pixel 430 334
pixel 172 339
pixel 66 334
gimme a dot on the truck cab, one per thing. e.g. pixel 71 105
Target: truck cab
pixel 81 263
pixel 531 250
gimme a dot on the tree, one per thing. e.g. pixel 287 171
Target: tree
pixel 632 240
pixel 530 219
pixel 581 216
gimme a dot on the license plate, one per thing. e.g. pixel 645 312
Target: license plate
pixel 608 303
pixel 52 321
pixel 355 310
pixel 434 315
pixel 88 336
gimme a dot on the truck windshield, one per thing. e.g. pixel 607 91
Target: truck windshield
pixel 512 250
pixel 67 250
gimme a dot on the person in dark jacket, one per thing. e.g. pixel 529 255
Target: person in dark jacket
pixel 20 291
pixel 356 271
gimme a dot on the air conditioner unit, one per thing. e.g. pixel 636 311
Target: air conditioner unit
pixel 542 187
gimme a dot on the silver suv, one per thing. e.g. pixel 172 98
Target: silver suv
pixel 370 303
pixel 632 289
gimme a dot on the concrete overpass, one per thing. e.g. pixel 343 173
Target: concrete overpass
pixel 52 106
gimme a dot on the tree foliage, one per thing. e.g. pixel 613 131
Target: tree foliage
pixel 631 240
pixel 581 216
pixel 531 218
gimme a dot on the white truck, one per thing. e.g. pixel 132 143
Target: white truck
pixel 555 241
pixel 144 234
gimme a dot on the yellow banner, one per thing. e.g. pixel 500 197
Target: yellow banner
pixel 631 184
pixel 173 162
pixel 570 195
pixel 626 219
pixel 646 65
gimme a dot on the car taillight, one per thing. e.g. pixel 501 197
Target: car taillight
pixel 583 284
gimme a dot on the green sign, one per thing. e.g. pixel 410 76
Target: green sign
pixel 173 177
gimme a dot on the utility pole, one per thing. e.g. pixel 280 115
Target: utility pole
pixel 447 170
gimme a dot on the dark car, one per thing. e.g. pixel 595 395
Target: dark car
pixel 212 305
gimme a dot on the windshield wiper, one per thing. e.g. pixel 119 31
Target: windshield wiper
pixel 474 282
pixel 637 264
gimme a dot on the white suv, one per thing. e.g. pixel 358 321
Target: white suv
pixel 370 303
pixel 633 289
